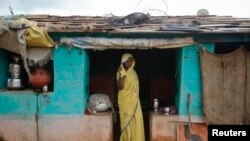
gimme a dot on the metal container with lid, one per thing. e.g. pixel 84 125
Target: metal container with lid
pixel 15 69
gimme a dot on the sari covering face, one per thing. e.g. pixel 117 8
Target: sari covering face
pixel 132 127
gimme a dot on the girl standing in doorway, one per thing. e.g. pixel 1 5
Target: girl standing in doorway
pixel 132 126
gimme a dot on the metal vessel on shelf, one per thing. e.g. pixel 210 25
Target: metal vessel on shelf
pixel 156 104
pixel 15 69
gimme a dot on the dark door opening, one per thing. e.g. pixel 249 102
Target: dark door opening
pixel 223 48
pixel 156 71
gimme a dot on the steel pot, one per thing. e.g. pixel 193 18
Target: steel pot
pixel 14 83
pixel 15 69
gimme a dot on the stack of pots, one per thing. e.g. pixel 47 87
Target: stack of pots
pixel 16 80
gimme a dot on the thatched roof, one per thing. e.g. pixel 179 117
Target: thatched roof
pixel 158 24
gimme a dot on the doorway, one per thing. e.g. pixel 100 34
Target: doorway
pixel 156 69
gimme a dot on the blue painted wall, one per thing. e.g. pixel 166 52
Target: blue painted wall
pixel 71 86
pixel 189 79
pixel 18 102
pixel 3 68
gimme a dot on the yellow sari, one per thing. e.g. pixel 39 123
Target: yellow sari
pixel 132 127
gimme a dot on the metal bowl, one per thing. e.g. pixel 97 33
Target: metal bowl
pixel 101 107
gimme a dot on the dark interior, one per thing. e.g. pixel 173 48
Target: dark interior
pixel 156 72
pixel 223 48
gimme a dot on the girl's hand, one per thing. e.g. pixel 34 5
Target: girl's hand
pixel 122 73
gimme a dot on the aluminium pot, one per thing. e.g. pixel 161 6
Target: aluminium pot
pixel 15 83
pixel 15 69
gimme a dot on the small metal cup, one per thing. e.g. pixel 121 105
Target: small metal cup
pixel 45 88
pixel 166 110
